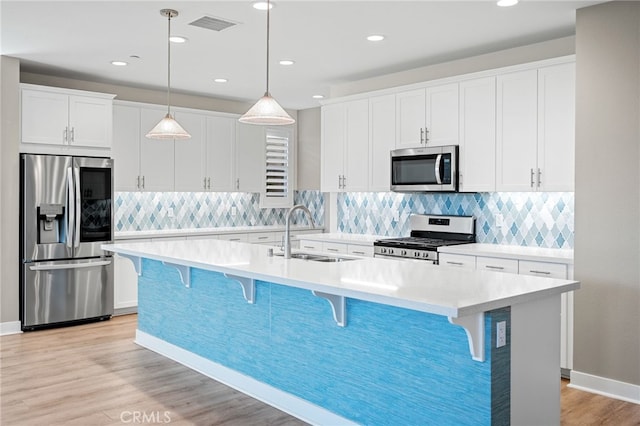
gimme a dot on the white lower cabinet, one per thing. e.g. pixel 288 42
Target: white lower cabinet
pixel 360 250
pixel 527 267
pixel 310 245
pixel 335 248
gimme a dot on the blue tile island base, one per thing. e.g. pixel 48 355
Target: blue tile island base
pixel 387 366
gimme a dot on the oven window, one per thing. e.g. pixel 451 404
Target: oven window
pixel 414 170
pixel 95 204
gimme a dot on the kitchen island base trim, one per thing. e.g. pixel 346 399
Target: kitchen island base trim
pixel 270 395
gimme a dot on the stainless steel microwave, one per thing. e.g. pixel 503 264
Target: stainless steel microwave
pixel 425 169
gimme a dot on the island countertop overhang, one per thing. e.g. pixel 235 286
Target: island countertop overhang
pixel 412 285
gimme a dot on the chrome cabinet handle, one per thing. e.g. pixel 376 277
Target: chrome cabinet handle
pixel 532 174
pixel 309 247
pixel 426 135
pixel 262 238
pixel 65 135
pixel 454 263
pixel 332 249
pixel 541 272
pixel 238 183
pixel 421 135
pixel 208 183
pixel 138 182
pixel 539 177
pixel 204 183
pixel 73 134
pixel 358 252
pixel 500 268
pixel 142 182
pixel 344 181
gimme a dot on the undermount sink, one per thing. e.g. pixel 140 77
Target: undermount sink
pixel 317 257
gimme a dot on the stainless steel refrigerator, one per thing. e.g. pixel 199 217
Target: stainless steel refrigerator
pixel 66 214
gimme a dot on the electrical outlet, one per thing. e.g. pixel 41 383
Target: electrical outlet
pixel 170 212
pixel 234 211
pixel 501 334
pixel 499 220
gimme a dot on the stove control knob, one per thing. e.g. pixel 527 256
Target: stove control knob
pixel 383 250
pixel 425 254
pixel 390 251
pixel 416 254
pixel 403 252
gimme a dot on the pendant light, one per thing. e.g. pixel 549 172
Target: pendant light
pixel 168 128
pixel 267 111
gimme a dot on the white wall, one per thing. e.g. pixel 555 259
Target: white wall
pixel 9 188
pixel 607 201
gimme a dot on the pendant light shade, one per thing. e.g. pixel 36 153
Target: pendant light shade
pixel 267 111
pixel 168 128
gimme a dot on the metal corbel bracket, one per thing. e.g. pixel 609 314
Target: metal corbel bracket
pixel 338 305
pixel 248 287
pixel 137 262
pixel 184 271
pixel 474 327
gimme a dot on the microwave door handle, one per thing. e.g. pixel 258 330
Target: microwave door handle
pixel 76 228
pixel 438 178
pixel 71 210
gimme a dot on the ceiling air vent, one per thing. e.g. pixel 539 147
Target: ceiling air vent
pixel 211 23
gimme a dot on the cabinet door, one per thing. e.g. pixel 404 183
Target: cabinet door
pixel 517 123
pixel 442 115
pixel 250 158
pixel 410 118
pixel 190 154
pixel 156 155
pixel 477 159
pixel 126 147
pixel 333 138
pixel 221 141
pixel 45 117
pixel 556 127
pixel 382 133
pixel 356 173
pixel 90 121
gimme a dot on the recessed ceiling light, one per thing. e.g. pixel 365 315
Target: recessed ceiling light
pixel 119 63
pixel 287 62
pixel 318 97
pixel 375 37
pixel 262 5
pixel 506 3
pixel 178 39
pixel 220 80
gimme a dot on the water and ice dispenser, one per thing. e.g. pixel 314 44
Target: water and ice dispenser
pixel 50 223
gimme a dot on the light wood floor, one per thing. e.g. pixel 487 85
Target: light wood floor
pixel 95 375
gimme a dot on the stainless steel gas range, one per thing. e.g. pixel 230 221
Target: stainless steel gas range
pixel 428 232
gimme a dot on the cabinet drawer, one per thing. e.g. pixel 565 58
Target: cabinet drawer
pixel 334 247
pixel 358 250
pixel 233 237
pixel 457 260
pixel 310 245
pixel 497 264
pixel 261 237
pixel 543 269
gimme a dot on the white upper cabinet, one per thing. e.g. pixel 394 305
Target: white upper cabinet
pixel 345 147
pixel 156 155
pixel 477 159
pixel 190 160
pixel 53 116
pixel 126 148
pixel 556 127
pixel 427 117
pixel 221 141
pixel 517 123
pixel 250 153
pixel 382 134
pixel 535 129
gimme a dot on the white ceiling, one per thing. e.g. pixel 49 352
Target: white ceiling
pixel 326 39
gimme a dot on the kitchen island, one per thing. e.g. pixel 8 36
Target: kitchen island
pixel 368 341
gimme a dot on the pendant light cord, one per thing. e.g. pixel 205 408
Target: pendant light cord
pixel 169 64
pixel 268 20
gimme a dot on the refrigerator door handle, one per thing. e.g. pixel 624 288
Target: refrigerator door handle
pixel 69 266
pixel 70 208
pixel 76 228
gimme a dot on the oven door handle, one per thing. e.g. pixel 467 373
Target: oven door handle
pixel 438 161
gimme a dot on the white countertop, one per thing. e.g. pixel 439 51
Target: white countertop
pixel 159 233
pixel 514 252
pixel 339 237
pixel 452 292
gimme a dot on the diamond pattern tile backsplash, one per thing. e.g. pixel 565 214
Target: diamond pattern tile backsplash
pixel 146 211
pixel 529 219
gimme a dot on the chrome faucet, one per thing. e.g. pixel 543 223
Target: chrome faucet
pixel 287 234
